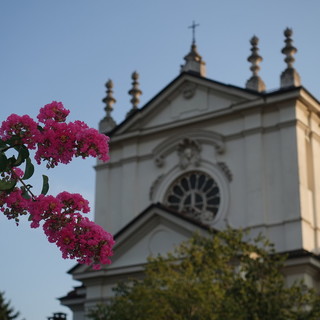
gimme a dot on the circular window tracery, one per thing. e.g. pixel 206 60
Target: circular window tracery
pixel 196 194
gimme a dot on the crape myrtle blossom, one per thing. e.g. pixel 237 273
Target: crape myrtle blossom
pixel 55 141
pixel 76 236
pixel 13 204
pixel 13 173
pixel 23 128
pixel 60 142
pixel 79 238
pixel 91 144
pixel 53 111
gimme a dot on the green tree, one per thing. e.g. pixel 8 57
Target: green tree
pixel 221 277
pixel 6 311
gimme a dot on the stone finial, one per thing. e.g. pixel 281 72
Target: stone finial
pixel 109 100
pixel 194 63
pixel 108 123
pixel 135 92
pixel 289 76
pixel 255 82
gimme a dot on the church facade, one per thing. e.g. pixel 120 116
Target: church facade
pixel 205 154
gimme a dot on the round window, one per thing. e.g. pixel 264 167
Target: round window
pixel 195 194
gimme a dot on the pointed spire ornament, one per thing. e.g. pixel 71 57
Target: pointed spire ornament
pixel 289 77
pixel 135 92
pixel 193 27
pixel 108 123
pixel 194 63
pixel 255 82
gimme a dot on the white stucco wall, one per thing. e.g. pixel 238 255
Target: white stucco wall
pixel 268 190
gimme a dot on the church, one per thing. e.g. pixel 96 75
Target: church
pixel 202 154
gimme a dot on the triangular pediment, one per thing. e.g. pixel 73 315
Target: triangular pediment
pixel 155 231
pixel 186 98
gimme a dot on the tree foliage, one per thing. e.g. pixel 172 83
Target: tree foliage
pixel 6 311
pixel 221 277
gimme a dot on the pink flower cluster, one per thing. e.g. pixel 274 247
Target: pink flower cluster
pixel 56 141
pixel 53 111
pixel 21 127
pixel 76 236
pixel 79 238
pixel 13 204
pixel 13 174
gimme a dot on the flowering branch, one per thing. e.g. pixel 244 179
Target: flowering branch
pixel 54 141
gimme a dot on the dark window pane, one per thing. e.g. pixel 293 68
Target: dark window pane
pixel 216 189
pixel 199 198
pixel 201 181
pixel 196 194
pixel 173 199
pixel 216 201
pixel 193 181
pixel 213 209
pixel 187 201
pixel 185 184
pixel 213 192
pixel 177 190
pixel 208 185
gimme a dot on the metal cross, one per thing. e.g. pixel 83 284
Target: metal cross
pixel 193 27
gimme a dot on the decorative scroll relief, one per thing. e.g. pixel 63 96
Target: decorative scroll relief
pixel 159 161
pixel 225 169
pixel 188 147
pixel 188 151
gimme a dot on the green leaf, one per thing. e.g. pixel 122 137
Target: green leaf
pixel 22 156
pixel 3 162
pixel 3 145
pixel 29 169
pixel 45 185
pixel 11 162
pixel 25 193
pixel 7 185
pixel 13 141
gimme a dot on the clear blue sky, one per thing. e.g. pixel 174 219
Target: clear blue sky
pixel 67 50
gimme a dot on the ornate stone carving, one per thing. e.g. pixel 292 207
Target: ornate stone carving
pixel 225 169
pixel 189 90
pixel 159 161
pixel 198 137
pixel 189 153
